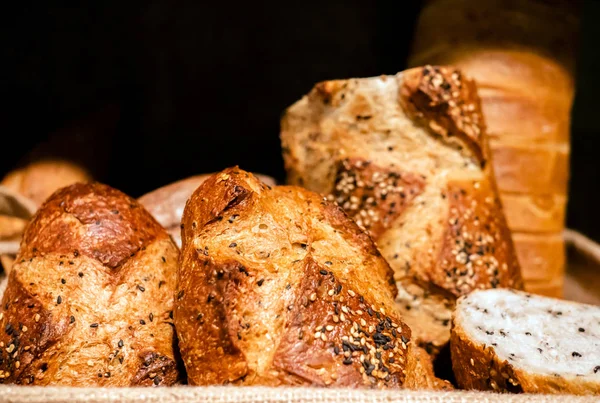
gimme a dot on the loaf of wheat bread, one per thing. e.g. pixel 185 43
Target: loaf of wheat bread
pixel 277 286
pixel 166 203
pixel 511 341
pixel 89 300
pixel 522 56
pixel 406 156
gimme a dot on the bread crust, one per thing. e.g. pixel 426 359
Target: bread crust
pixel 39 179
pixel 333 322
pixel 166 203
pixel 89 299
pixel 407 158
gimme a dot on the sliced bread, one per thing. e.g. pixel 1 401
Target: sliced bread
pixel 506 340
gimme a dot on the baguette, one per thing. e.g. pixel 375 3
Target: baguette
pixel 90 297
pixel 406 156
pixel 279 287
pixel 510 341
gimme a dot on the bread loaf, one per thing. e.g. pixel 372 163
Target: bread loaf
pixel 406 156
pixel 33 183
pixel 522 56
pixel 277 286
pixel 504 340
pixel 89 300
pixel 38 180
pixel 166 204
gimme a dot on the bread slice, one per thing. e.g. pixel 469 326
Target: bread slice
pixel 277 286
pixel 507 340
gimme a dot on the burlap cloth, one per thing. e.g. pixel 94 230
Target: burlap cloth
pixel 583 284
pixel 233 394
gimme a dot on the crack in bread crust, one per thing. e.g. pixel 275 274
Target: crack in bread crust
pixel 282 288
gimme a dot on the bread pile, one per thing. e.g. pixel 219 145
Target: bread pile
pixel 522 56
pixel 357 278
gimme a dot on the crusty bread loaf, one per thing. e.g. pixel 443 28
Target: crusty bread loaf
pixel 277 286
pixel 33 183
pixel 90 297
pixel 522 56
pixel 39 179
pixel 505 340
pixel 406 157
pixel 166 203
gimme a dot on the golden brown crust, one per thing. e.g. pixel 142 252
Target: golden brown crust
pixel 477 251
pixel 166 204
pixel 115 226
pixel 447 103
pixel 89 300
pixel 333 321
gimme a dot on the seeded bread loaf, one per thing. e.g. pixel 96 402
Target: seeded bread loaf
pixel 510 341
pixel 277 286
pixel 522 55
pixel 166 204
pixel 406 157
pixel 90 297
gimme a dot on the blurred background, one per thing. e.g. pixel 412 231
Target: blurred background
pixel 157 91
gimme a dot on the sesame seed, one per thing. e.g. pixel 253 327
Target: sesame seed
pixel 329 328
pixel 37 317
pixel 90 363
pixel 10 348
pixel 120 343
pixel 59 300
pixel 313 296
pixel 352 293
pixel 94 325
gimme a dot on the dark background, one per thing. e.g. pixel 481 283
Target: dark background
pixel 183 88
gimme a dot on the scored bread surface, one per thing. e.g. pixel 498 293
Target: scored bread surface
pixel 505 340
pixel 89 299
pixel 406 156
pixel 277 286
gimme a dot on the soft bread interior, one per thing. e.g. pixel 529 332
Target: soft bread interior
pixel 533 333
